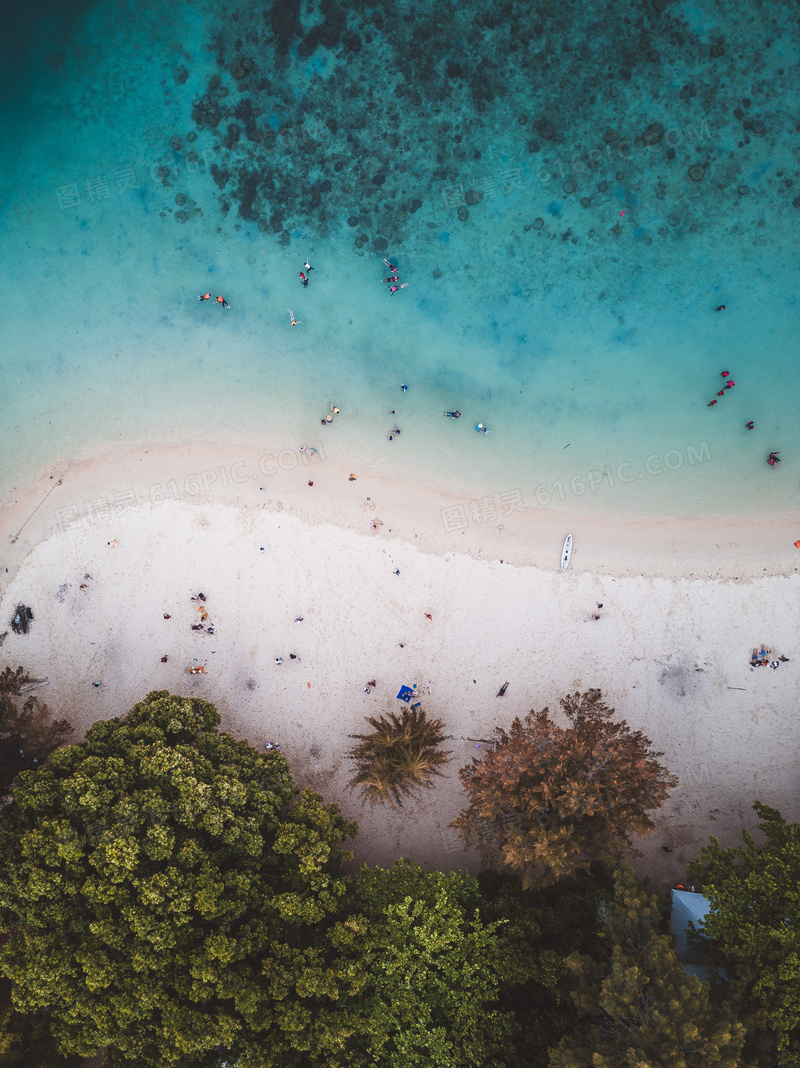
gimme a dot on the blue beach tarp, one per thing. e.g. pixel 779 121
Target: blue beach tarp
pixel 406 693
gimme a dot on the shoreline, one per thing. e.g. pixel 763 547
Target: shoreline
pixel 496 527
pixel 670 651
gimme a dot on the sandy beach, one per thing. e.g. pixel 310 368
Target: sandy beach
pixel 684 603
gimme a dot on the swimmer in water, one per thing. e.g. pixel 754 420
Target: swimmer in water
pixel 292 320
pixel 453 415
pixel 223 302
pixel 391 267
pixel 204 296
pixel 482 428
pixel 394 288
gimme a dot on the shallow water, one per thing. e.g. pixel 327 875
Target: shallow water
pixel 563 272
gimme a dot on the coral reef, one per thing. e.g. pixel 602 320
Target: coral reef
pixel 326 115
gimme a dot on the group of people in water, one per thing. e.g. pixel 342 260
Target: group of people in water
pixel 220 300
pixel 393 283
pixel 455 414
pixel 774 457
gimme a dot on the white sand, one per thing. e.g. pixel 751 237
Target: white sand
pixel 684 604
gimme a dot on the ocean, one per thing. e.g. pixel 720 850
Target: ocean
pixel 568 190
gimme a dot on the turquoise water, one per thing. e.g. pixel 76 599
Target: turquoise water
pixel 528 172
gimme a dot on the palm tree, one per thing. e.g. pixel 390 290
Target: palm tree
pixel 398 756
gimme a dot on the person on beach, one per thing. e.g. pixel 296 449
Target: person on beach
pixel 391 267
pixel 453 415
pixel 773 458
pixel 502 691
pixel 482 428
pixel 223 302
pixel 303 280
pixel 751 425
pixel 307 266
pixel 393 289
pixel 292 320
pixel 204 296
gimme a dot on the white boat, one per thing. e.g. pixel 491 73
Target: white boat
pixel 566 552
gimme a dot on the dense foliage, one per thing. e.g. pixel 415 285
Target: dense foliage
pixel 28 734
pixel 430 973
pixel 754 920
pixel 554 800
pixel 539 929
pixel 400 755
pixel 638 1008
pixel 167 895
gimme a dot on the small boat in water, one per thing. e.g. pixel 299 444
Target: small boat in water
pixel 566 552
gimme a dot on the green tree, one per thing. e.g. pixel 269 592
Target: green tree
pixel 168 896
pixel 26 1041
pixel 400 755
pixel 754 920
pixel 552 800
pixel 429 999
pixel 28 735
pixel 539 929
pixel 638 1008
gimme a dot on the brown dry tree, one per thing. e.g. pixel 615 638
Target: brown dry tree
pixel 550 800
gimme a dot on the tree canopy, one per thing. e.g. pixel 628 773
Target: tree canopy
pixel 429 995
pixel 539 929
pixel 638 1007
pixel 167 895
pixel 554 800
pixel 754 920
